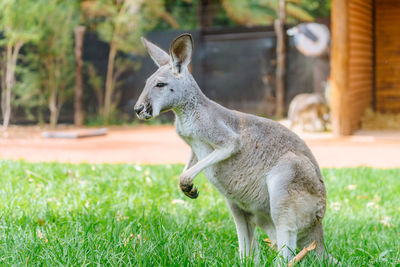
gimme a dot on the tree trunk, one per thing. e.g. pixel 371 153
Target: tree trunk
pixel 53 93
pixel 78 105
pixel 53 108
pixel 3 82
pixel 281 60
pixel 11 62
pixel 109 83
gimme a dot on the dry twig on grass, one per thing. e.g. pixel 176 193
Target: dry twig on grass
pixel 302 254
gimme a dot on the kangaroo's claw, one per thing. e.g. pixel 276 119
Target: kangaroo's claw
pixel 189 190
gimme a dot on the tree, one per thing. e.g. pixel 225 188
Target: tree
pixel 19 24
pixel 78 103
pixel 280 31
pixel 264 12
pixel 52 57
pixel 123 23
pixel 267 12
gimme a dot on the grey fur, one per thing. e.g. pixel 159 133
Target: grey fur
pixel 267 174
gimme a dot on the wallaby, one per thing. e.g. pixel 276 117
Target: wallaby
pixel 266 172
pixel 309 112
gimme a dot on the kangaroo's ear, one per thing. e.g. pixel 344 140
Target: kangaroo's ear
pixel 159 56
pixel 181 50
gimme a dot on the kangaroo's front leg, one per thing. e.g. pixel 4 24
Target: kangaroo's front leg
pixel 187 189
pixel 219 154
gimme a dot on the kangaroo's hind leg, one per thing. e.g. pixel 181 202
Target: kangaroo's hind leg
pixel 282 213
pixel 245 231
pixel 296 201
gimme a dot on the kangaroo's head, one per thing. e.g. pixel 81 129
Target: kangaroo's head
pixel 167 87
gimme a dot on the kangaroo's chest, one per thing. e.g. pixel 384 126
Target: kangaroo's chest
pixel 236 178
pixel 201 149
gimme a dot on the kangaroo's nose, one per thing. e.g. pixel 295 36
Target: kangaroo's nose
pixel 139 108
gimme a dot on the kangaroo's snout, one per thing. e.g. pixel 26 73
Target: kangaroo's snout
pixel 138 109
pixel 144 111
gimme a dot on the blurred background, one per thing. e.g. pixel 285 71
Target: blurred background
pixel 54 48
pixel 326 69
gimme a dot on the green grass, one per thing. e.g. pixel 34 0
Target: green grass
pixel 63 214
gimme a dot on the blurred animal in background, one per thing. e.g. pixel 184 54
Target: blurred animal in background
pixel 311 39
pixel 309 113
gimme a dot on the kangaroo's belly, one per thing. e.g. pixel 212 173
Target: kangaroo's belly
pixel 244 183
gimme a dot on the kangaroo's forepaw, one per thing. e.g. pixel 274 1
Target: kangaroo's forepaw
pixel 189 190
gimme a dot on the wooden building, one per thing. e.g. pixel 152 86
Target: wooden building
pixel 365 60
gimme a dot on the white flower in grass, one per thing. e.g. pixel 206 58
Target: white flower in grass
pixel 386 221
pixel 178 201
pixel 335 206
pixel 138 167
pixel 41 236
pixel 83 183
pixel 372 205
pixel 351 187
pixel 120 217
pixel 148 180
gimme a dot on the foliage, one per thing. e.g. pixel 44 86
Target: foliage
pixel 19 21
pixel 95 82
pixel 29 96
pixel 317 8
pixel 264 12
pixel 19 24
pixel 123 23
pixel 52 58
pixel 41 79
pixel 184 12
pixel 64 214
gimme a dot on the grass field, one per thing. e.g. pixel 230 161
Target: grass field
pixel 63 214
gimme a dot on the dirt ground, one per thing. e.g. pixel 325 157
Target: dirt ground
pixel 160 144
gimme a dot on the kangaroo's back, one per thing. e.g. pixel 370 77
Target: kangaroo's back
pixel 262 139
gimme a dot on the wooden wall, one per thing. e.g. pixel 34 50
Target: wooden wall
pixel 387 55
pixel 351 63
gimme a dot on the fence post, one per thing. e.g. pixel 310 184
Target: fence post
pixel 281 59
pixel 78 104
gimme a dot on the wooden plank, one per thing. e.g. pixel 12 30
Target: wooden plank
pixel 75 133
pixel 351 63
pixel 362 3
pixel 360 53
pixel 359 29
pixel 356 8
pixel 388 55
pixel 355 67
pixel 360 38
pixel 339 66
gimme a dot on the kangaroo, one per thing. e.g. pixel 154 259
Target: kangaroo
pixel 310 112
pixel 267 174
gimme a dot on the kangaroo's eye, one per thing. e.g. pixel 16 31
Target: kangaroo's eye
pixel 161 84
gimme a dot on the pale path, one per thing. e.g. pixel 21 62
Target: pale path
pixel 160 144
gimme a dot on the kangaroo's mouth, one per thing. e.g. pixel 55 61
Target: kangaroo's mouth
pixel 146 113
